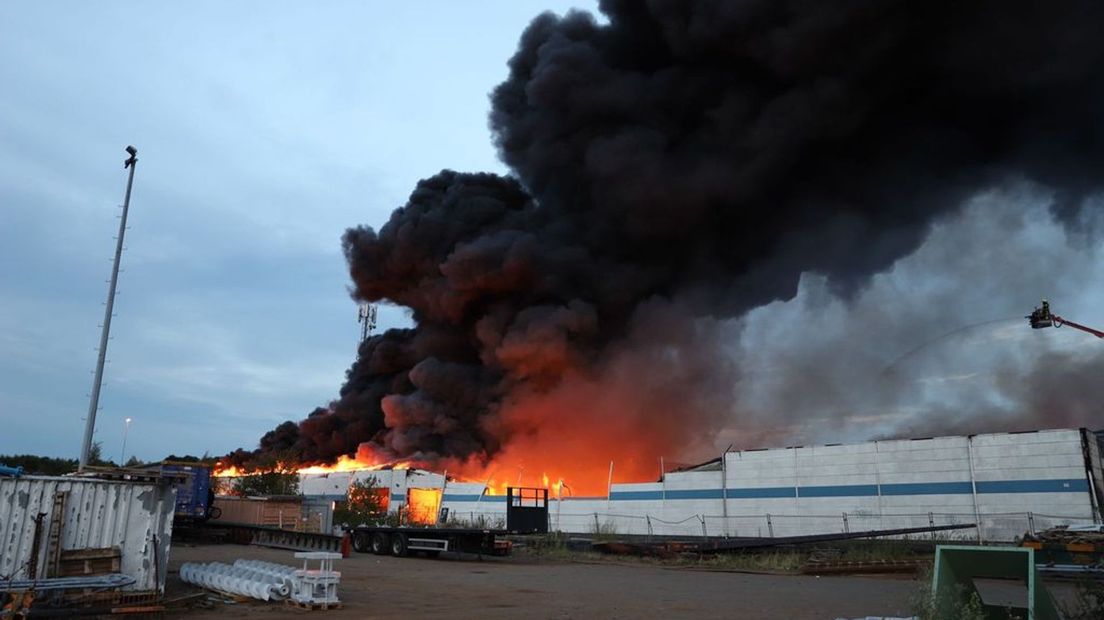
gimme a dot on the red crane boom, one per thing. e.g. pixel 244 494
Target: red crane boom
pixel 1059 321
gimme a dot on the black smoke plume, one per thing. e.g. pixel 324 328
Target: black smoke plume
pixel 692 160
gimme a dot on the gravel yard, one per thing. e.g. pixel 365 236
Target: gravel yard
pixel 523 586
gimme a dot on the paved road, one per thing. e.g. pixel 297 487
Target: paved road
pixel 524 587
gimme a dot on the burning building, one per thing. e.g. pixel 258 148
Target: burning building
pixel 1007 483
pixel 673 167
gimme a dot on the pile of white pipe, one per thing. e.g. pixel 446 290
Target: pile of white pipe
pixel 252 578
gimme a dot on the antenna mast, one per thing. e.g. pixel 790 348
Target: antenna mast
pixel 366 316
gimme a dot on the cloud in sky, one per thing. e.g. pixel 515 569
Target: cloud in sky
pixel 264 130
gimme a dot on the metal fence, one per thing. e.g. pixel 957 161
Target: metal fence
pixel 992 527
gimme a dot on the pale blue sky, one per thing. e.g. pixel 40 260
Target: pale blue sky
pixel 264 130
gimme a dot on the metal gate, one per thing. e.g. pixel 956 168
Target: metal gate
pixel 526 510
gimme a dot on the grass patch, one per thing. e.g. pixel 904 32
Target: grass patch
pixel 782 559
pixel 766 561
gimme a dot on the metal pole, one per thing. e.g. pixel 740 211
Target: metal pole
pixel 724 493
pixel 94 405
pixel 609 485
pixel 663 480
pixel 973 485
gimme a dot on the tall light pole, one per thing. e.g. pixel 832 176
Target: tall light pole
pixel 126 429
pixel 94 405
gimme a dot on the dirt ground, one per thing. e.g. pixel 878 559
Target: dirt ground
pixel 534 588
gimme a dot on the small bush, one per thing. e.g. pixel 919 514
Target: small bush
pixel 365 504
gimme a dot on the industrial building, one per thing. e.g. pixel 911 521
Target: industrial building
pixel 1007 483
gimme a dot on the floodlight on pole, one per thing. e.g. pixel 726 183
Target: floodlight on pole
pixel 94 404
pixel 126 429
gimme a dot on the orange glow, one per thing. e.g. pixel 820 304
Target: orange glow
pixel 422 506
pixel 221 471
pixel 365 460
pixel 565 439
pixel 355 463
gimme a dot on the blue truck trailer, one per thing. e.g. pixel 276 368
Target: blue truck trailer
pixel 195 495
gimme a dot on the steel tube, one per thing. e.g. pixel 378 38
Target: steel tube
pixel 94 404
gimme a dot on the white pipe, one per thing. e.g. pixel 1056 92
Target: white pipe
pixel 236 580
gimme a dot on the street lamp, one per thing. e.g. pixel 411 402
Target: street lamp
pixel 126 429
pixel 97 382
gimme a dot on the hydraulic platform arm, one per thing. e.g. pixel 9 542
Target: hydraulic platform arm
pixel 1059 321
pixel 1042 317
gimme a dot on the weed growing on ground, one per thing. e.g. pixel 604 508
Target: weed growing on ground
pixel 1088 601
pixel 773 561
pixel 604 532
pixel 924 606
pixel 963 606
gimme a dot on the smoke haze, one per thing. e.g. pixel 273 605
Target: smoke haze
pixel 938 343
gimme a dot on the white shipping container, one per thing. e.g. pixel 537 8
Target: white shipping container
pixel 135 517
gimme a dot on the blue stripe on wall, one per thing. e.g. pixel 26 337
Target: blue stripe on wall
pixel 473 497
pixel 840 490
pixel 636 495
pixel 927 488
pixel 1073 485
pixel 448 497
pixel 1069 485
pixel 693 494
pixel 762 493
pixel 748 493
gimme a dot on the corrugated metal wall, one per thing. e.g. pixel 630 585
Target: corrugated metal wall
pixel 97 514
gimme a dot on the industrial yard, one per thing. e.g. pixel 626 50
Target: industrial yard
pixel 539 587
pixel 552 309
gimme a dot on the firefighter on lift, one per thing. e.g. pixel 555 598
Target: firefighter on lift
pixel 1041 317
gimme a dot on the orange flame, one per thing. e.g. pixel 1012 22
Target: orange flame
pixel 364 460
pixel 355 463
pixel 227 471
pixel 603 434
pixel 422 506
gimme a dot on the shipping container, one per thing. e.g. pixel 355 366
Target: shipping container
pixel 55 526
pixel 287 513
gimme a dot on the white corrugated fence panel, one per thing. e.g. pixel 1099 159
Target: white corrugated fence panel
pixel 97 514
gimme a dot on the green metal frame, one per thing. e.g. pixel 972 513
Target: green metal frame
pixel 956 567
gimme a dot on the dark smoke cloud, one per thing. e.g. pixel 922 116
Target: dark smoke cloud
pixel 700 156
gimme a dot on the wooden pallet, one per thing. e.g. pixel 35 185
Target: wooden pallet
pixel 312 606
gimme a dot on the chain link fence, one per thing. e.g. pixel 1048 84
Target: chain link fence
pixel 993 527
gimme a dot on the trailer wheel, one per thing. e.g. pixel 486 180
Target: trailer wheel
pixel 379 543
pixel 360 543
pixel 398 545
